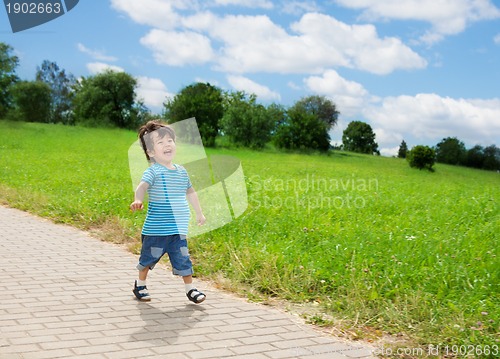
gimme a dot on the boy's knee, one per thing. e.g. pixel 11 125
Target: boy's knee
pixel 184 251
pixel 157 252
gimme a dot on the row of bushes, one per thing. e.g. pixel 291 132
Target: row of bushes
pixel 452 151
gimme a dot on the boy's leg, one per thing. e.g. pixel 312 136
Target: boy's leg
pixel 140 289
pixel 181 265
pixel 143 274
pixel 153 248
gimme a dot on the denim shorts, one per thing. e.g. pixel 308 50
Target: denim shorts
pixel 154 247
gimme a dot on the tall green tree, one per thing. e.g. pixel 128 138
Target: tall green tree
pixel 487 158
pixel 246 122
pixel 359 137
pixel 403 149
pixel 306 124
pixel 451 151
pixel 107 99
pixel 321 107
pixel 202 101
pixel 475 157
pixel 277 113
pixel 302 130
pixel 8 77
pixel 32 101
pixel 491 158
pixel 61 85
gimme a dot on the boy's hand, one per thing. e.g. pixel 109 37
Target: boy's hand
pixel 201 219
pixel 136 206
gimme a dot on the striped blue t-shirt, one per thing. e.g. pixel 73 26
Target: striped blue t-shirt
pixel 168 209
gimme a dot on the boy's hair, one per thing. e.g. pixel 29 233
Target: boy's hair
pixel 146 131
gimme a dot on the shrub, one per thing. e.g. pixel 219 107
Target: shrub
pixel 32 101
pixel 422 157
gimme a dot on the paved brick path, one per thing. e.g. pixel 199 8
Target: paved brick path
pixel 67 295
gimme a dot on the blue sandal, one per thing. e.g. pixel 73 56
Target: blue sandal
pixel 141 293
pixel 197 298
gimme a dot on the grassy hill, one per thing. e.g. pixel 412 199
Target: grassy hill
pixel 376 246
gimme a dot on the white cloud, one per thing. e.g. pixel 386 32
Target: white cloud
pixel 178 48
pixel 349 96
pixel 432 117
pixel 358 46
pixel 262 4
pixel 389 152
pixel 95 54
pixel 246 44
pixel 257 44
pixel 251 44
pixel 447 17
pixel 157 13
pixel 241 83
pixel 99 67
pixel 152 91
pixel 386 138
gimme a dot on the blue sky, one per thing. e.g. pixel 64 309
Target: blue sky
pixel 418 70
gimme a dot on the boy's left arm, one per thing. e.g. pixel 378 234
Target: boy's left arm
pixel 193 200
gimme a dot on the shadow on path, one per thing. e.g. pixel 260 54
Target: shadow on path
pixel 166 325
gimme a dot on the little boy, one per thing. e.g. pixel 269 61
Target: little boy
pixel 169 190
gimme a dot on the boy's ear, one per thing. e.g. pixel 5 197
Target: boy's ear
pixel 151 153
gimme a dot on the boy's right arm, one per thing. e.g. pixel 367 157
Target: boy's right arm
pixel 140 192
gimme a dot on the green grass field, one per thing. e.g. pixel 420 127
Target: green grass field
pixel 375 246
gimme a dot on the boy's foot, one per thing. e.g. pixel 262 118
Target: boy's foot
pixel 141 293
pixel 195 296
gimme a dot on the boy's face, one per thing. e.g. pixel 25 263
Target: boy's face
pixel 163 150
